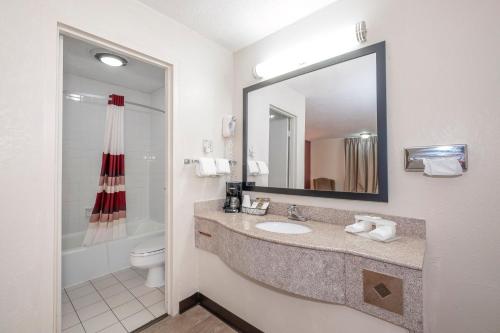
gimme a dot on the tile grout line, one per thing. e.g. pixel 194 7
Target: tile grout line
pixel 110 309
pixel 136 298
pixel 74 309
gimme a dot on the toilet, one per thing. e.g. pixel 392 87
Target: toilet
pixel 150 255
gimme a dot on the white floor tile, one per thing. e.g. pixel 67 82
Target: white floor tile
pixel 141 290
pixel 141 272
pixel 99 322
pixel 137 320
pixel 113 290
pixel 77 286
pixel 80 292
pixel 105 283
pixel 158 309
pixel 119 299
pixel 125 274
pixel 69 319
pixel 64 297
pixel 116 328
pixel 75 329
pixel 162 289
pixel 66 308
pixel 86 300
pixel 126 310
pixel 152 298
pixel 92 310
pixel 134 282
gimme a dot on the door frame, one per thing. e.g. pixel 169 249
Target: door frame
pixel 65 30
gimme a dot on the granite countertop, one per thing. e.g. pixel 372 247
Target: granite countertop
pixel 405 251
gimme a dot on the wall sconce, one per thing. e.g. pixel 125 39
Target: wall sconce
pixel 309 53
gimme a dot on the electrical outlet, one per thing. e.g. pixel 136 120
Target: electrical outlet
pixel 208 146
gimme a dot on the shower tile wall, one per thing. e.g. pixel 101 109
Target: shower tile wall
pixel 83 131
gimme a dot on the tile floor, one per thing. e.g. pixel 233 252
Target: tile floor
pixel 114 303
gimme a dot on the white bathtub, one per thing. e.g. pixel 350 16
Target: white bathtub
pixel 80 263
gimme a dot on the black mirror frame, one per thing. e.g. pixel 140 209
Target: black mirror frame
pixel 382 195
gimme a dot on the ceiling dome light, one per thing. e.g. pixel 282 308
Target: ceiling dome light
pixel 111 59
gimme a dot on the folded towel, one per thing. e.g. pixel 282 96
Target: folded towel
pixel 263 169
pixel 253 168
pixel 206 167
pixel 442 166
pixel 383 233
pixel 359 227
pixel 222 166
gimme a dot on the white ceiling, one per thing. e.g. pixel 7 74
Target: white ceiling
pixel 235 24
pixel 341 100
pixel 135 75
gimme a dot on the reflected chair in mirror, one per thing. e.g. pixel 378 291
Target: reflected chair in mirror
pixel 324 184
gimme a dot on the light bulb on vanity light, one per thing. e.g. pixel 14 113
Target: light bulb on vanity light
pixel 365 135
pixel 313 51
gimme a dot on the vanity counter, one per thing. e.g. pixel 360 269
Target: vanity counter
pixel 406 251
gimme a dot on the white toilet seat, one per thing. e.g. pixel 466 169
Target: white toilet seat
pixel 150 255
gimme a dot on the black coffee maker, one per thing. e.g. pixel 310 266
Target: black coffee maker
pixel 233 197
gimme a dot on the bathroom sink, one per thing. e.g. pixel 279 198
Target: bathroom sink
pixel 283 227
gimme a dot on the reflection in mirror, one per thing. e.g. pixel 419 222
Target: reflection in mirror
pixel 317 131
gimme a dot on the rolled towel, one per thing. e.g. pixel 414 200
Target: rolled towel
pixel 383 233
pixel 222 166
pixel 253 168
pixel 359 227
pixel 442 166
pixel 206 167
pixel 263 169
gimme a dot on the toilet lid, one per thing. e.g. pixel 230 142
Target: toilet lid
pixel 151 245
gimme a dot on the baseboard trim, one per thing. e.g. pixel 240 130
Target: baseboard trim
pixel 219 311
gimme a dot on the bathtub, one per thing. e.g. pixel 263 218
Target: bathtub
pixel 80 263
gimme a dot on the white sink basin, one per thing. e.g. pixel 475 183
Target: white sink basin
pixel 283 227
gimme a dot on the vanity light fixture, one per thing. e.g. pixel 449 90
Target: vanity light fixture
pixel 312 52
pixel 365 135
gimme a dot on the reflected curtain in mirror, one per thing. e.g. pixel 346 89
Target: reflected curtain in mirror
pixel 361 162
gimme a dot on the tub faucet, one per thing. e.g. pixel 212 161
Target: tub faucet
pixel 293 214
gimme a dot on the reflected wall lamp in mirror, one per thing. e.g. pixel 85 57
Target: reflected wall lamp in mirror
pixel 320 130
pixel 313 51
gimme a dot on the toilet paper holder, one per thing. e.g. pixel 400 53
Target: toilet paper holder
pixel 414 155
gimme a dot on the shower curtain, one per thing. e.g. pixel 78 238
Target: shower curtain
pixel 107 221
pixel 361 166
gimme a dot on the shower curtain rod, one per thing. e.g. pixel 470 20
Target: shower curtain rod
pixel 76 96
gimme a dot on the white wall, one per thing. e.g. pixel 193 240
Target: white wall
pixel 328 160
pixel 442 87
pixel 83 136
pixel 258 126
pixel 202 93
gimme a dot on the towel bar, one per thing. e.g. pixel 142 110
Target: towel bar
pixel 194 161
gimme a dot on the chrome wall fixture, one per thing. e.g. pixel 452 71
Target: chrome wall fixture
pixel 414 155
pixel 361 31
pixel 194 161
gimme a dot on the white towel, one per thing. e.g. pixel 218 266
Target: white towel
pixel 206 167
pixel 383 233
pixel 263 169
pixel 359 227
pixel 253 168
pixel 222 166
pixel 442 166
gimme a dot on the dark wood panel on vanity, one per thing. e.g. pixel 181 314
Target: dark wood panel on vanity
pixel 219 311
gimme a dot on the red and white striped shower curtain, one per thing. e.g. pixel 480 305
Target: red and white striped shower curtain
pixel 108 216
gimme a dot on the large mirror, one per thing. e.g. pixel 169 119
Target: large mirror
pixel 320 130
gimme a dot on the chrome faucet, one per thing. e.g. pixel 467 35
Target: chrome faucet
pixel 293 214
